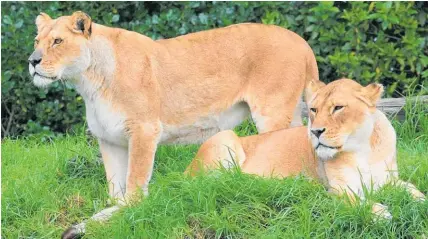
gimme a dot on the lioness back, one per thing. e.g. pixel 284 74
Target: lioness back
pixel 279 153
pixel 237 54
pixel 256 41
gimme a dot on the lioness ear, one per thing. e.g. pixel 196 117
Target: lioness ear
pixel 371 93
pixel 41 20
pixel 82 23
pixel 311 88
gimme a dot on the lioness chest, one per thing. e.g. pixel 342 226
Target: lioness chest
pixel 105 122
pixel 362 174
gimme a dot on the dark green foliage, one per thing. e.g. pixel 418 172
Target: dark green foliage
pixel 369 42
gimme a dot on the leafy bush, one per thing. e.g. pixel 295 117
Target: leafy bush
pixel 382 42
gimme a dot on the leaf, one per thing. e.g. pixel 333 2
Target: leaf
pixel 384 25
pixel 203 18
pixel 372 5
pixel 312 19
pixel 309 28
pixel 19 23
pixel 388 5
pixel 392 88
pixel 115 18
pixel 155 19
pixel 7 20
pixel 422 17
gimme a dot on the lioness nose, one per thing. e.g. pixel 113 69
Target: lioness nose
pixel 35 58
pixel 34 62
pixel 318 132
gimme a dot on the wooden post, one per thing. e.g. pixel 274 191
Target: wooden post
pixel 392 107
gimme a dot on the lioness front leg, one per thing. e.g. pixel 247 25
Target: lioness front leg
pixel 378 209
pixel 142 148
pixel 115 160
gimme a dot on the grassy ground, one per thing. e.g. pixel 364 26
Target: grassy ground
pixel 48 185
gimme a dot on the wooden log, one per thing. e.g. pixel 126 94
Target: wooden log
pixel 392 107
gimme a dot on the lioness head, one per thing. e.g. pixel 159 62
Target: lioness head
pixel 60 48
pixel 340 116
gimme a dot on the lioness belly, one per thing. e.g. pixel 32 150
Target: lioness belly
pixel 205 127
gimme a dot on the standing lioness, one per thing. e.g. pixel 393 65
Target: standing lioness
pixel 349 144
pixel 139 92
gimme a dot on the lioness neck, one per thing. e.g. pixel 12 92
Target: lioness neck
pixel 383 143
pixel 115 35
pixel 106 57
pixel 375 140
pixel 375 161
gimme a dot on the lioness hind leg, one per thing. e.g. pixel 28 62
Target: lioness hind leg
pixel 221 150
pixel 274 116
pixel 279 108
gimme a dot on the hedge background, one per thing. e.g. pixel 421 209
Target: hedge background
pixel 384 42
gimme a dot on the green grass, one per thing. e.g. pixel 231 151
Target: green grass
pixel 48 185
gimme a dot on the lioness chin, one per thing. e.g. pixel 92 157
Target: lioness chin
pixel 348 145
pixel 140 93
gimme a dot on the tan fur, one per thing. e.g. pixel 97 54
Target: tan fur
pixel 279 153
pixel 364 136
pixel 139 92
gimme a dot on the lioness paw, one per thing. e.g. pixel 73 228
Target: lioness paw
pixel 381 212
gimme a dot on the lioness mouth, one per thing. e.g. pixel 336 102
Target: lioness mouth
pixel 50 78
pixel 321 144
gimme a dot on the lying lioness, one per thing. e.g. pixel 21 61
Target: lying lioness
pixel 349 144
pixel 139 92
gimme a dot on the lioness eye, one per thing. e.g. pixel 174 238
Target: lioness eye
pixel 338 107
pixel 36 42
pixel 57 41
pixel 314 110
